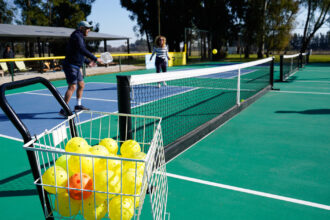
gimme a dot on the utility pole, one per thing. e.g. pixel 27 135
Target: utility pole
pixel 158 6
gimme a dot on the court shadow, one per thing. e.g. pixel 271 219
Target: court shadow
pixel 315 79
pixel 32 115
pixel 325 64
pixel 20 184
pixel 309 112
pixel 101 89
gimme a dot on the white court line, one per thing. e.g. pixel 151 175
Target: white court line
pixel 58 87
pixel 298 92
pixel 33 91
pixel 95 99
pixel 249 191
pixel 12 138
pixel 101 83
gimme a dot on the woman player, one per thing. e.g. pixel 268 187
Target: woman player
pixel 161 52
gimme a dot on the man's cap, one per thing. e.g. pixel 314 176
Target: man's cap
pixel 84 24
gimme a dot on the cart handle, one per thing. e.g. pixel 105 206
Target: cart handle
pixel 11 114
pixel 13 117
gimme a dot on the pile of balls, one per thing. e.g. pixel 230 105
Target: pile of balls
pixel 75 174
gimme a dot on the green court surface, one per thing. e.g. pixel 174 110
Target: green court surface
pixel 270 161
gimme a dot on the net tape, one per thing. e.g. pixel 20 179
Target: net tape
pixel 168 76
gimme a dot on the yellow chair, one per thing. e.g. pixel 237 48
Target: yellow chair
pixel 21 66
pixel 4 68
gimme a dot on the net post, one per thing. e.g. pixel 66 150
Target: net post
pixel 124 107
pixel 300 62
pixel 11 70
pixel 238 95
pixel 271 78
pixel 307 56
pixel 281 68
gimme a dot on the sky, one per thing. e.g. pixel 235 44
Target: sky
pixel 113 19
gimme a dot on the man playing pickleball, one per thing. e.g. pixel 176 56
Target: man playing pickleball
pixel 76 55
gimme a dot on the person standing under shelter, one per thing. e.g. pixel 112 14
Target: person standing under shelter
pixel 8 53
pixel 76 55
pixel 162 56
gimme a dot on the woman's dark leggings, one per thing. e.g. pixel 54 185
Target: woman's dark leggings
pixel 161 64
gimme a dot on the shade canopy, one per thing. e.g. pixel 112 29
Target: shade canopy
pixel 10 32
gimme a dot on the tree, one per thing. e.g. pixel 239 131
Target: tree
pixel 142 12
pixel 31 12
pixel 317 15
pixel 215 16
pixel 6 12
pixel 56 13
pixel 175 16
pixel 268 22
pixel 280 20
pixel 251 21
pixel 219 18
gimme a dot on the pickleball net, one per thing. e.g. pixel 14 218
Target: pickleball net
pixel 304 58
pixel 290 64
pixel 192 102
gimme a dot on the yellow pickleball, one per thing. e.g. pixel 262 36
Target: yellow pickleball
pixel 99 163
pixel 110 144
pixel 67 206
pixel 121 208
pixel 86 162
pixel 133 165
pixel 129 147
pixel 75 144
pixel 62 161
pixel 49 178
pixel 107 182
pixel 92 211
pixel 132 182
pixel 113 164
pixel 214 51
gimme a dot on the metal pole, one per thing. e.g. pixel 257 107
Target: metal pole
pixel 272 73
pixel 128 49
pixel 124 106
pixel 105 46
pixel 158 6
pixel 281 68
pixel 119 63
pixel 11 70
pixel 39 51
pixel 238 94
pixel 84 69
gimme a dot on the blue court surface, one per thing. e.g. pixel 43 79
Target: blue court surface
pixel 39 109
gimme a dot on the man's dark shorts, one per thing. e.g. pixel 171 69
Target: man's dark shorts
pixel 72 74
